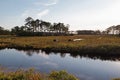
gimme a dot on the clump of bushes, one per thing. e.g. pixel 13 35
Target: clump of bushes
pixel 61 75
pixel 31 74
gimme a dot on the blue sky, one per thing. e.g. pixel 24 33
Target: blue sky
pixel 80 14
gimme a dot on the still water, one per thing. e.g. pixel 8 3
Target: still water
pixel 84 68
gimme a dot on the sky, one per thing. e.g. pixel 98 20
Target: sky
pixel 79 14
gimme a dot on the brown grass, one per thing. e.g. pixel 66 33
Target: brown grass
pixel 89 42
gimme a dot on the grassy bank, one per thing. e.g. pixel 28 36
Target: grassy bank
pixel 92 44
pixel 31 74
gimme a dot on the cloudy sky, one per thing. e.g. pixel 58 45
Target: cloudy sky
pixel 80 14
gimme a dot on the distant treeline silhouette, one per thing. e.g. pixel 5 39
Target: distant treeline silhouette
pixel 40 28
pixel 88 32
pixel 36 27
pixel 4 31
pixel 114 30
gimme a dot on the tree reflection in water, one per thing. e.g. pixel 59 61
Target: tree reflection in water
pixel 74 55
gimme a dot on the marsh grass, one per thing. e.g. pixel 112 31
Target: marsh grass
pixel 89 43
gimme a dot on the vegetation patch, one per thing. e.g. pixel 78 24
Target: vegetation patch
pixel 32 74
pixel 96 45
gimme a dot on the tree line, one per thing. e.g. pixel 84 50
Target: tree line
pixel 40 28
pixel 113 30
pixel 88 32
pixel 4 31
pixel 36 27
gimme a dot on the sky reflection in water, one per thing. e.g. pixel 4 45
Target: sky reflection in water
pixel 83 67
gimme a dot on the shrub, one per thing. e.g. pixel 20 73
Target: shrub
pixel 61 75
pixel 31 74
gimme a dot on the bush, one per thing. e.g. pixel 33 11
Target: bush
pixel 31 74
pixel 61 75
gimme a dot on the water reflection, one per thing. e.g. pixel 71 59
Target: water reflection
pixel 85 67
pixel 74 55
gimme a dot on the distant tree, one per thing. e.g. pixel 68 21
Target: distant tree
pixel 60 27
pixel 1 28
pixel 4 31
pixel 115 30
pixel 45 25
pixel 97 32
pixel 37 21
pixel 48 25
pixel 66 28
pixel 15 30
pixel 118 28
pixel 108 30
pixel 54 27
pixel 40 27
pixel 30 22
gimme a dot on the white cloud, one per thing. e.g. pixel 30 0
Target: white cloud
pixel 52 2
pixel 43 55
pixel 35 13
pixel 48 63
pixel 43 13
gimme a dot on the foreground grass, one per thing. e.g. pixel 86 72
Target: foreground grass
pixel 89 44
pixel 31 74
